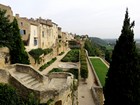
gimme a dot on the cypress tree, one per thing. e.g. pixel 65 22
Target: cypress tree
pixel 5 30
pixel 17 51
pixel 122 85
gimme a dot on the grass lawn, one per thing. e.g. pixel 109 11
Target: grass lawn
pixel 100 68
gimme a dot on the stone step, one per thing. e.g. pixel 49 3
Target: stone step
pixel 27 78
pixel 34 83
pixel 24 76
pixel 37 86
pixel 21 75
pixel 30 81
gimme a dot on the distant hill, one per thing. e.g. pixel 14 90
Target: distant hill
pixel 99 41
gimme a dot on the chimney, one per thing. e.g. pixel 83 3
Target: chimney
pixel 17 15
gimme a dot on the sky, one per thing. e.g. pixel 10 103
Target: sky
pixel 96 18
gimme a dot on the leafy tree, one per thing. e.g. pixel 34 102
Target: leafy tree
pixel 89 47
pixel 108 55
pixel 122 85
pixel 8 95
pixel 17 50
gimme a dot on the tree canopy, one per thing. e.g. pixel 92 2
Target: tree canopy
pixel 122 85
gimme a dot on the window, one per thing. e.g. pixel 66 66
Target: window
pixel 21 23
pixel 22 32
pixel 35 41
pixel 42 33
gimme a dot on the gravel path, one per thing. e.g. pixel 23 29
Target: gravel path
pixel 55 64
pixel 84 90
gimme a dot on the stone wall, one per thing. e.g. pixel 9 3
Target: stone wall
pixel 4 57
pixel 97 91
pixel 9 11
pixel 4 76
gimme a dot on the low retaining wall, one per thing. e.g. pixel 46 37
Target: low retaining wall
pixel 97 91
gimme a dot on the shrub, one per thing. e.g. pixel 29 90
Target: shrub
pixel 35 53
pixel 71 56
pixel 61 53
pixel 56 70
pixel 47 51
pixel 84 71
pixel 47 64
pixel 83 62
pixel 74 72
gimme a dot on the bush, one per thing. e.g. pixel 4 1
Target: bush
pixel 47 64
pixel 36 53
pixel 61 53
pixel 56 70
pixel 84 71
pixel 71 56
pixel 47 51
pixel 83 68
pixel 74 72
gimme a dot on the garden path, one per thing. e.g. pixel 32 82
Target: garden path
pixel 84 89
pixel 55 64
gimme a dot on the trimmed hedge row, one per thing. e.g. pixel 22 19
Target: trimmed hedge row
pixel 71 56
pixel 47 64
pixel 83 62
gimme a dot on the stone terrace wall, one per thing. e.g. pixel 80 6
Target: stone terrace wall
pixel 97 91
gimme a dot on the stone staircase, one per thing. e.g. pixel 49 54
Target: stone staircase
pixel 28 80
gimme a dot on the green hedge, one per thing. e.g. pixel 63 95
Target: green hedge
pixel 83 62
pixel 74 72
pixel 47 64
pixel 71 56
pixel 56 70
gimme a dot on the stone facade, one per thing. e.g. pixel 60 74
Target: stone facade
pixel 24 27
pixel 9 11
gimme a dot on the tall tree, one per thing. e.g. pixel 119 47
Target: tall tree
pixel 10 37
pixel 17 51
pixel 122 85
pixel 5 29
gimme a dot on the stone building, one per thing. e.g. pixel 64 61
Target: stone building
pixel 34 34
pixel 45 33
pixel 9 11
pixel 24 27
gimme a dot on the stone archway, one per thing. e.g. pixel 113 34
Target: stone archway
pixel 58 102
